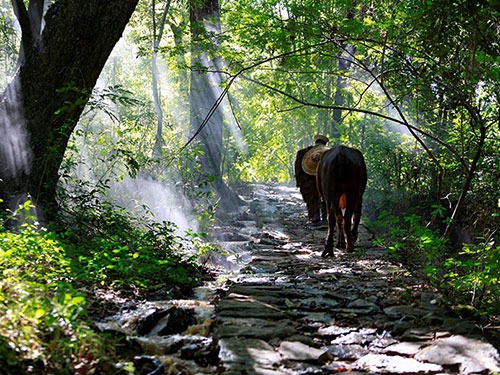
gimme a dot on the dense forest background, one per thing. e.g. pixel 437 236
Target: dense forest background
pixel 106 140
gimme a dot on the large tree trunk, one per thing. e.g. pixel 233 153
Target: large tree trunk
pixel 204 91
pixel 344 64
pixel 180 60
pixel 43 103
pixel 157 35
pixel 204 86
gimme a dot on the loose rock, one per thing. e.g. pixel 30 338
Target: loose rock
pixel 297 351
pixel 469 354
pixel 381 363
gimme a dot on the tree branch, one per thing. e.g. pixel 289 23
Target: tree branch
pixel 231 105
pixel 35 14
pixel 411 129
pixel 162 22
pixel 240 72
pixel 364 92
pixel 323 106
pixel 26 31
pixel 161 26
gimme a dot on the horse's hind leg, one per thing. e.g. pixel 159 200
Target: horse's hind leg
pixel 341 238
pixel 331 231
pixel 347 231
pixel 356 218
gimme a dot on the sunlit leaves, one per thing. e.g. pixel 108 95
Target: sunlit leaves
pixel 42 315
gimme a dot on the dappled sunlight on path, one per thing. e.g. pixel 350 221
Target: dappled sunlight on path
pixel 289 311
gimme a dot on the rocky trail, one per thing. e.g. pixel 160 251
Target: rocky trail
pixel 279 308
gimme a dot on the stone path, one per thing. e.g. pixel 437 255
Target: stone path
pixel 289 311
pixel 279 308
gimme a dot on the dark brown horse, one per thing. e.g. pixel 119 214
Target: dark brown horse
pixel 341 179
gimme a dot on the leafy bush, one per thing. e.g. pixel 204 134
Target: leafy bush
pixel 43 315
pixel 470 277
pixel 115 249
pixel 475 274
pixel 42 324
pixel 411 242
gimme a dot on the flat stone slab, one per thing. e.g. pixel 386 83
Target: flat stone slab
pixel 471 355
pixel 363 304
pixel 297 351
pixel 405 311
pixel 405 348
pixel 381 363
pixel 255 328
pixel 263 290
pixel 348 352
pixel 335 331
pixel 248 352
pixel 358 337
pixel 418 334
pixel 248 309
pixel 317 304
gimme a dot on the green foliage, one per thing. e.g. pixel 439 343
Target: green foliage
pixel 406 239
pixel 44 273
pixel 43 317
pixel 474 274
pixel 117 250
pixel 469 277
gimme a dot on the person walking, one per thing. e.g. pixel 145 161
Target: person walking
pixel 307 185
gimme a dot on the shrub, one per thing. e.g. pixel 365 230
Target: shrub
pixel 42 324
pixel 111 248
pixel 469 277
pixel 408 240
pixel 475 274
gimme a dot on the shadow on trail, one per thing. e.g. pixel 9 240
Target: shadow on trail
pixel 289 311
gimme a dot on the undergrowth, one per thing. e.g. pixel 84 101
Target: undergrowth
pixel 117 250
pixel 468 277
pixel 46 275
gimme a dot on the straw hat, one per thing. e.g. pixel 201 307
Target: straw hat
pixel 319 137
pixel 312 157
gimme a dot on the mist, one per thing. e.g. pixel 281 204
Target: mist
pixel 157 198
pixel 391 111
pixel 15 150
pixel 15 153
pixel 158 201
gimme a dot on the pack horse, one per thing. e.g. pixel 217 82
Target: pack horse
pixel 341 180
